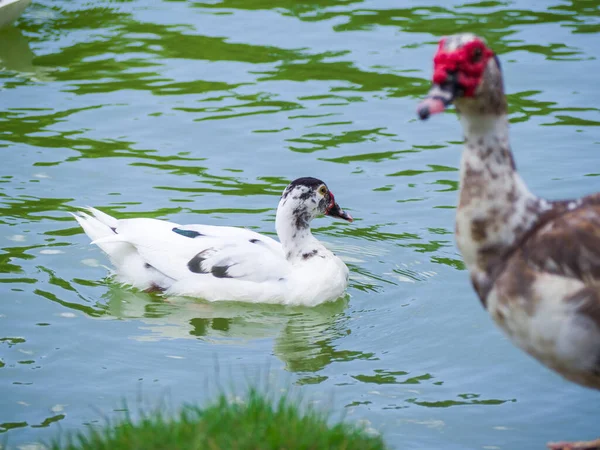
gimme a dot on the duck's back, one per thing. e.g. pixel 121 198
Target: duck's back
pixel 174 253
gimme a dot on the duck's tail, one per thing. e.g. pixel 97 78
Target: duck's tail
pixel 130 266
pixel 98 225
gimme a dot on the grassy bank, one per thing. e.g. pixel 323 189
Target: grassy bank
pixel 256 423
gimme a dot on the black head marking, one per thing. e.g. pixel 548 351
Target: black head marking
pixel 195 264
pixel 306 181
pixel 306 194
pixel 187 233
pixel 311 185
pixel 324 202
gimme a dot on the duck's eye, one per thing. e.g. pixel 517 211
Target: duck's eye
pixel 476 54
pixel 322 190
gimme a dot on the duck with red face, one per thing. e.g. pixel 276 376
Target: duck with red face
pixel 534 263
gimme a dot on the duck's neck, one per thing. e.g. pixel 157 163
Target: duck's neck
pixel 496 208
pixel 295 236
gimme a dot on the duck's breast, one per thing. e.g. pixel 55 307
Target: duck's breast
pixel 317 280
pixel 542 314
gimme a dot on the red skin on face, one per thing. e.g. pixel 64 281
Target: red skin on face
pixel 465 66
pixel 468 62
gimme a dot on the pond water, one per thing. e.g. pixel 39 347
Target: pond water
pixel 202 112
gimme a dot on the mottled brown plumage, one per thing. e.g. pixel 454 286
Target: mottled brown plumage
pixel 535 264
pixel 556 263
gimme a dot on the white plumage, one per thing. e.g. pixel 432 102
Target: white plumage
pixel 228 263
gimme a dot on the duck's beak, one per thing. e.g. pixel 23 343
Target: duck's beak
pixel 438 98
pixel 336 211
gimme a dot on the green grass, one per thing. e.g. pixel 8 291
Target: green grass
pixel 257 423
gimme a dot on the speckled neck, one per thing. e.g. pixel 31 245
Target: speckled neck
pixel 496 208
pixel 293 230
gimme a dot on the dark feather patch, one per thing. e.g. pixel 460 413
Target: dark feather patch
pixel 310 254
pixel 187 233
pixel 220 271
pixel 255 241
pixel 195 264
pixel 301 217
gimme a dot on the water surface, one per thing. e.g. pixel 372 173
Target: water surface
pixel 202 112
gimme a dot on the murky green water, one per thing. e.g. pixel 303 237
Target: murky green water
pixel 202 112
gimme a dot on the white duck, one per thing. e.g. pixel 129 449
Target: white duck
pixel 229 263
pixel 535 264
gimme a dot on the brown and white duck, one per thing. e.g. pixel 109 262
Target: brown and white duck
pixel 534 263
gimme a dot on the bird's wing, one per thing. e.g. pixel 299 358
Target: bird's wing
pixel 183 251
pixel 569 245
